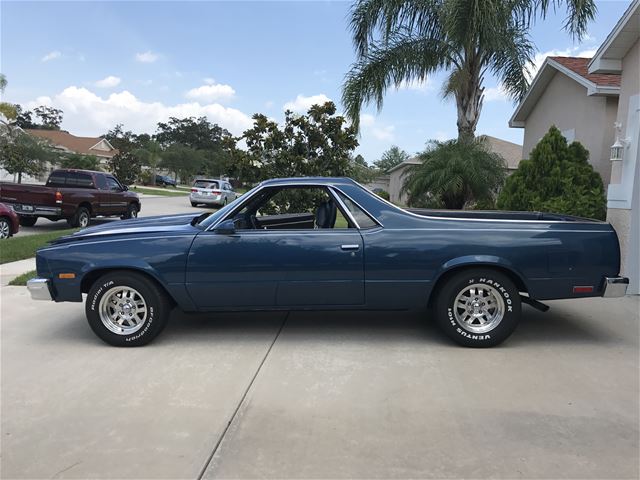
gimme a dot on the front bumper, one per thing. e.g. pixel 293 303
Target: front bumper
pixel 615 287
pixel 39 289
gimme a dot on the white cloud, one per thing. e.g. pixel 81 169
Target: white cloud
pixel 301 104
pixel 269 104
pixel 86 113
pixel 578 51
pixel 147 57
pixel 211 92
pixel 370 126
pixel 51 56
pixel 493 94
pixel 108 82
pixel 209 80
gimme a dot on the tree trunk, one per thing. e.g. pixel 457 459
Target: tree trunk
pixel 19 177
pixel 469 103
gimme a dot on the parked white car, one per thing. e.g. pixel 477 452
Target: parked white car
pixel 211 192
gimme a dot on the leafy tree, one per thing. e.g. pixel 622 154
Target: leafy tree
pixel 215 143
pixel 50 118
pixel 391 158
pixel 83 162
pixel 400 41
pixel 318 143
pixel 183 161
pixel 150 155
pixel 21 153
pixel 6 109
pixel 125 141
pixel 24 118
pixel 126 166
pixel 361 171
pixel 556 178
pixel 455 174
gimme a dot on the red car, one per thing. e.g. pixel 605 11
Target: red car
pixel 9 222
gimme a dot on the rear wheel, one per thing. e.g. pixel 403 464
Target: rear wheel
pixel 193 204
pixel 478 307
pixel 5 228
pixel 28 221
pixel 126 309
pixel 81 219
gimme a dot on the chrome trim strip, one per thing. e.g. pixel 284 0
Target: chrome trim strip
pixel 39 289
pixel 357 205
pixel 615 287
pixel 337 198
pixel 573 222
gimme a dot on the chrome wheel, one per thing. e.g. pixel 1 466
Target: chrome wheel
pixel 123 310
pixel 5 230
pixel 479 308
pixel 83 221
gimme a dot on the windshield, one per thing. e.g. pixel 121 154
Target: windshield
pixel 214 217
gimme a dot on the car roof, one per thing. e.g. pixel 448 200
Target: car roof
pixel 309 181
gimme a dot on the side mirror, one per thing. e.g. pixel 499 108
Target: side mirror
pixel 228 227
pixel 125 188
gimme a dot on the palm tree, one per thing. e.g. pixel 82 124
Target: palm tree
pixel 6 109
pixel 455 174
pixel 400 41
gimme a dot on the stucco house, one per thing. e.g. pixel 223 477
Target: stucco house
pixel 593 99
pixel 511 152
pixel 596 101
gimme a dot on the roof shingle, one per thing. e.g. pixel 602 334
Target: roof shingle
pixel 71 142
pixel 580 66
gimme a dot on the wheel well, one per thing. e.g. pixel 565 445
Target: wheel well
pixel 90 278
pixel 87 206
pixel 517 281
pixel 137 204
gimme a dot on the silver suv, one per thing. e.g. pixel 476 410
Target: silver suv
pixel 211 192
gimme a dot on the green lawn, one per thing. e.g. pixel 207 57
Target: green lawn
pixel 21 247
pixel 166 192
pixel 21 280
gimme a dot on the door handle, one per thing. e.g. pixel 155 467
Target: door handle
pixel 350 247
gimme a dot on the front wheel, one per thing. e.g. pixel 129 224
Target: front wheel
pixel 126 309
pixel 478 307
pixel 5 228
pixel 132 212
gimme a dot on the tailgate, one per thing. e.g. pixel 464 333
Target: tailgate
pixel 25 194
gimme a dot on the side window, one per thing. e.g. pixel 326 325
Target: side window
pixel 57 179
pixel 84 180
pixel 113 185
pixel 304 208
pixel 101 183
pixel 228 187
pixel 359 215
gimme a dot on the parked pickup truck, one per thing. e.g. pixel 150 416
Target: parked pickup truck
pixel 75 195
pixel 336 246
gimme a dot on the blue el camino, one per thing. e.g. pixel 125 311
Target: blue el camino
pixel 329 243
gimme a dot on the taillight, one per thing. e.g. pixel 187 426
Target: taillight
pixel 58 197
pixel 215 192
pixel 195 190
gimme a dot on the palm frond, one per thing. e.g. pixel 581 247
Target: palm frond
pixel 404 58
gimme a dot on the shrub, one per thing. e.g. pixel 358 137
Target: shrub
pixel 455 174
pixel 383 194
pixel 557 178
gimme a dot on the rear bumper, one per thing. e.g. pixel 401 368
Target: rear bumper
pixel 39 289
pixel 615 287
pixel 36 210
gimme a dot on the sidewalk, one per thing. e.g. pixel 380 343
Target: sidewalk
pixel 9 271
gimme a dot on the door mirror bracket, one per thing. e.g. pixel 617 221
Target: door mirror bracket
pixel 228 227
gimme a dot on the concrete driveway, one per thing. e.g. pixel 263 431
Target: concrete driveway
pixel 151 205
pixel 320 395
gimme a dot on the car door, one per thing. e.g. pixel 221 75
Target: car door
pixel 114 202
pixel 279 268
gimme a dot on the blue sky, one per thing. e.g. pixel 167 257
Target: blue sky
pixel 137 63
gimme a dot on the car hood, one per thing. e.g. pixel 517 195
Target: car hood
pixel 160 224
